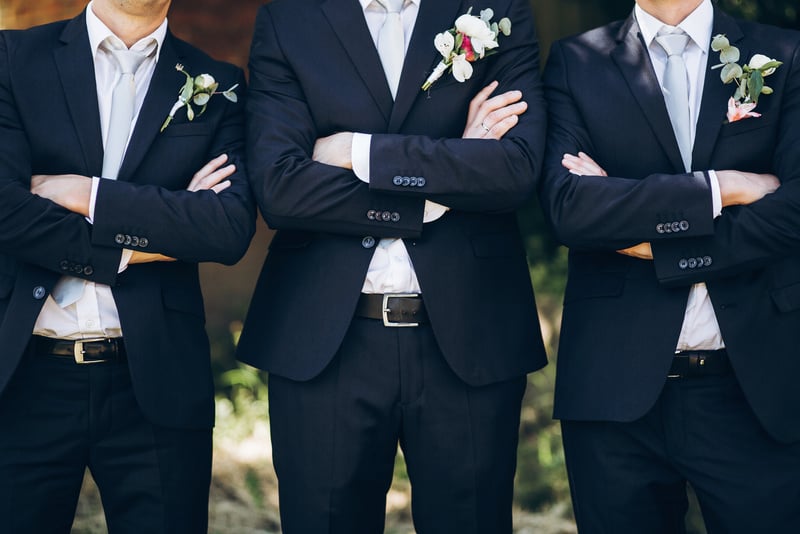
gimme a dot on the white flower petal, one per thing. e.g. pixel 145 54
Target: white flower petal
pixel 462 69
pixel 444 43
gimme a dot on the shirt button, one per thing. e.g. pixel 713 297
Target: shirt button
pixel 39 292
pixel 368 242
pixel 89 324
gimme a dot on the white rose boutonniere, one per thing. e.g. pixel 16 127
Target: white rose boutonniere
pixel 749 78
pixel 197 90
pixel 470 39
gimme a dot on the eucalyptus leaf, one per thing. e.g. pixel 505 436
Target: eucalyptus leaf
pixel 505 26
pixel 766 90
pixel 730 72
pixel 754 85
pixel 729 55
pixel 719 43
pixel 230 96
pixel 201 99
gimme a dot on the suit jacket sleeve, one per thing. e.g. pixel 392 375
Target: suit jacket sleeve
pixel 472 174
pixel 33 229
pixel 606 213
pixel 293 191
pixel 190 226
pixel 747 237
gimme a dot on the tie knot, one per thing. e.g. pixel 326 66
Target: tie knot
pixel 673 43
pixel 392 6
pixel 127 60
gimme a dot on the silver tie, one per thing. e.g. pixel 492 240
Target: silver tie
pixel 391 43
pixel 69 289
pixel 676 91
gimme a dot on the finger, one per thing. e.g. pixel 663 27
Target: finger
pixel 222 186
pixel 497 102
pixel 501 128
pixel 480 97
pixel 207 182
pixel 207 169
pixel 503 113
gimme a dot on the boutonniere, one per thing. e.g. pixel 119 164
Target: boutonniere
pixel 197 90
pixel 470 39
pixel 749 78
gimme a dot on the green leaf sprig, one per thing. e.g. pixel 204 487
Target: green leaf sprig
pixel 197 90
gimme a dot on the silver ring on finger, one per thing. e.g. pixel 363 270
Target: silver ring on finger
pixel 483 125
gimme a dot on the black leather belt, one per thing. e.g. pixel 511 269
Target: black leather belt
pixel 394 309
pixel 694 363
pixel 81 351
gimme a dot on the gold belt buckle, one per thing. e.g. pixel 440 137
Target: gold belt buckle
pixel 79 351
pixel 385 309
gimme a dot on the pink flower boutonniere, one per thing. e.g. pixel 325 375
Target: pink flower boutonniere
pixel 749 78
pixel 197 90
pixel 470 39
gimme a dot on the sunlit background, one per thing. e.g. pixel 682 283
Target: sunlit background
pixel 244 489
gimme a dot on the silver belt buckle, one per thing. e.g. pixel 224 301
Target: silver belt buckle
pixel 385 309
pixel 79 351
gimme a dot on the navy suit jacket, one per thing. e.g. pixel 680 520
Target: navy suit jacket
pixel 315 71
pixel 49 124
pixel 622 316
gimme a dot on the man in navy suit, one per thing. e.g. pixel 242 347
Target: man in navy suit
pixel 681 326
pixel 395 302
pixel 104 361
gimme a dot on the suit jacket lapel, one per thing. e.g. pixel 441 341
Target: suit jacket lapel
pixel 435 16
pixel 347 21
pixel 633 61
pixel 161 95
pixel 76 70
pixel 715 94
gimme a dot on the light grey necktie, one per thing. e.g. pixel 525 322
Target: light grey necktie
pixel 391 43
pixel 69 289
pixel 676 91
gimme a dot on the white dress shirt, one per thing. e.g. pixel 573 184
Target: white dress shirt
pixel 391 270
pixel 700 329
pixel 95 313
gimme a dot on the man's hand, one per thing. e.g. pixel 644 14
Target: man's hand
pixel 70 191
pixel 335 150
pixel 492 118
pixel 641 251
pixel 213 176
pixel 582 165
pixel 737 187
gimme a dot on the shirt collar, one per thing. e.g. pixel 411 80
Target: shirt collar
pixel 698 25
pixel 99 32
pixel 366 3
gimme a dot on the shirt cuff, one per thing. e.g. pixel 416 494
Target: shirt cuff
pixel 123 261
pixel 716 196
pixel 433 211
pixel 93 199
pixel 359 155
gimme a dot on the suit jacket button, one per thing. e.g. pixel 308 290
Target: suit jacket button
pixel 134 241
pixel 395 216
pixel 64 265
pixel 667 228
pixel 128 240
pixel 119 239
pixel 700 262
pixel 371 215
pixel 143 242
pixel 413 181
pixel 684 225
pixel 77 268
pixel 707 261
pixel 386 216
pixel 421 181
pixel 692 262
pixel 368 242
pixel 683 263
pixel 39 292
pixel 676 227
pixel 88 270
pixel 397 180
pixel 660 228
pixel 406 181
